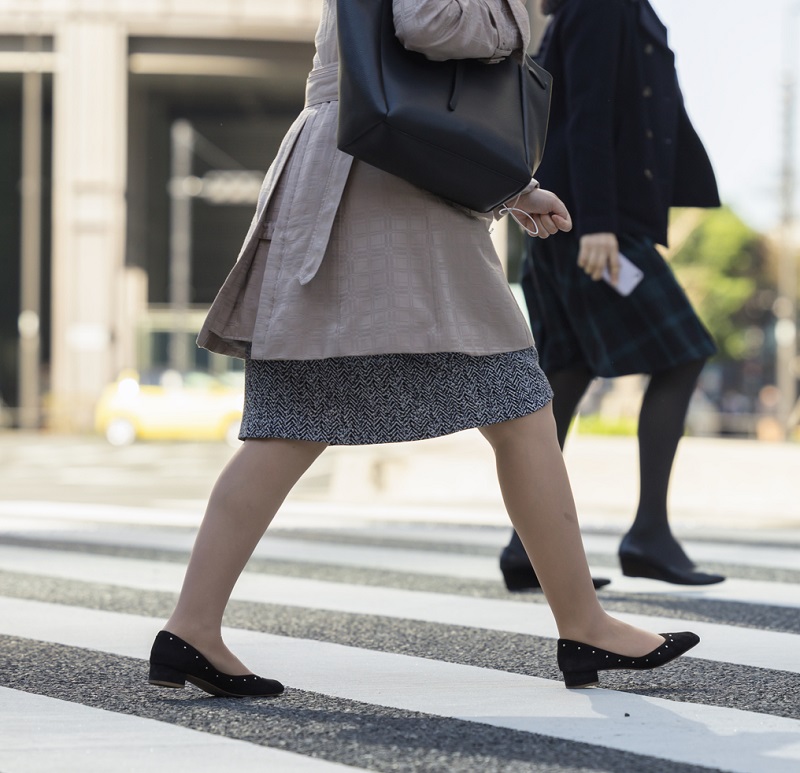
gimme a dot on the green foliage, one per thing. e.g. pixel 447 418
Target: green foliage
pixel 722 265
pixel 597 424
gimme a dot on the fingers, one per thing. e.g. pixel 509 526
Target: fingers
pixel 598 251
pixel 547 227
pixel 592 261
pixel 541 233
pixel 563 223
pixel 558 208
pixel 546 210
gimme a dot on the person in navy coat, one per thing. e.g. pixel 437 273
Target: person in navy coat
pixel 620 152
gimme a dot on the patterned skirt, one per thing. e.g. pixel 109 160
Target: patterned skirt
pixel 389 398
pixel 577 321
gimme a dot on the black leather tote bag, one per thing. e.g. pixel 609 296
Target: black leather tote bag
pixel 465 130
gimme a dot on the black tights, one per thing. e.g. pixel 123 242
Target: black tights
pixel 661 423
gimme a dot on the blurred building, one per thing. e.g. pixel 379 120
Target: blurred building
pixel 86 236
pixel 131 134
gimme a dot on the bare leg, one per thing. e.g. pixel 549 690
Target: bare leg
pixel 538 498
pixel 569 386
pixel 243 503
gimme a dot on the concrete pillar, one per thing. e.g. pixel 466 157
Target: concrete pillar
pixel 538 23
pixel 89 168
pixel 31 244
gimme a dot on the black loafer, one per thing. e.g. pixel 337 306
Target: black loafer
pixel 636 564
pixel 518 572
pixel 519 576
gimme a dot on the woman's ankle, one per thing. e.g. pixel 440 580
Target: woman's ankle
pixel 587 628
pixel 198 635
pixel 208 641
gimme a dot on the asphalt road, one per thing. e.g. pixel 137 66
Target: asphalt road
pixel 385 616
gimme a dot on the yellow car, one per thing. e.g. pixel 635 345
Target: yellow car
pixel 169 405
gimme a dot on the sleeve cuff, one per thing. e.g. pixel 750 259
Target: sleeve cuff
pixel 499 212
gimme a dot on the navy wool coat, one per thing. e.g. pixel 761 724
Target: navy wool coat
pixel 621 149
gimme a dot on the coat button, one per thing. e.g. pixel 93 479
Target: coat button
pixel 649 48
pixel 668 141
pixel 647 92
pixel 649 134
pixel 648 174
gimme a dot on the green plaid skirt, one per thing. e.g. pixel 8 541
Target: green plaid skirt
pixel 577 321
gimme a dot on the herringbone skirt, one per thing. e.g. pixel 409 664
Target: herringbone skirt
pixel 389 398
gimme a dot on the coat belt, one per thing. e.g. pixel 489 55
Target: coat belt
pixel 323 85
pixel 331 168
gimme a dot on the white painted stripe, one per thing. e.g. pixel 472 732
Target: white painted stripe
pixel 82 512
pixel 757 592
pixel 41 734
pixel 742 646
pixel 377 521
pixel 719 738
pixel 486 568
pixel 731 551
pixel 444 564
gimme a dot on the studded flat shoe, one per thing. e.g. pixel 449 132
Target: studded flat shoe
pixel 173 662
pixel 580 662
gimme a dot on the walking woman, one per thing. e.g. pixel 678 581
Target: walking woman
pixel 621 151
pixel 370 311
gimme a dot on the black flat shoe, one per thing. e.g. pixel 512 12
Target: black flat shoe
pixel 636 564
pixel 520 576
pixel 518 572
pixel 580 662
pixel 173 662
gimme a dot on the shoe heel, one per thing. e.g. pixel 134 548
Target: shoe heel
pixel 634 567
pixel 164 676
pixel 520 578
pixel 580 678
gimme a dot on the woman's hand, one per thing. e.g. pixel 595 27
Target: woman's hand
pixel 545 209
pixel 598 251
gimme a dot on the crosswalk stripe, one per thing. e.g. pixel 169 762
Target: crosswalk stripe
pixel 448 564
pixel 779 556
pixel 31 515
pixel 46 734
pixel 721 738
pixel 486 568
pixel 725 643
pixel 358 544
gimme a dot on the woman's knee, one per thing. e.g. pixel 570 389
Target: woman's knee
pixel 682 376
pixel 533 427
pixel 276 456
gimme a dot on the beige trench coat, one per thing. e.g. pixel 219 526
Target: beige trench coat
pixel 342 259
